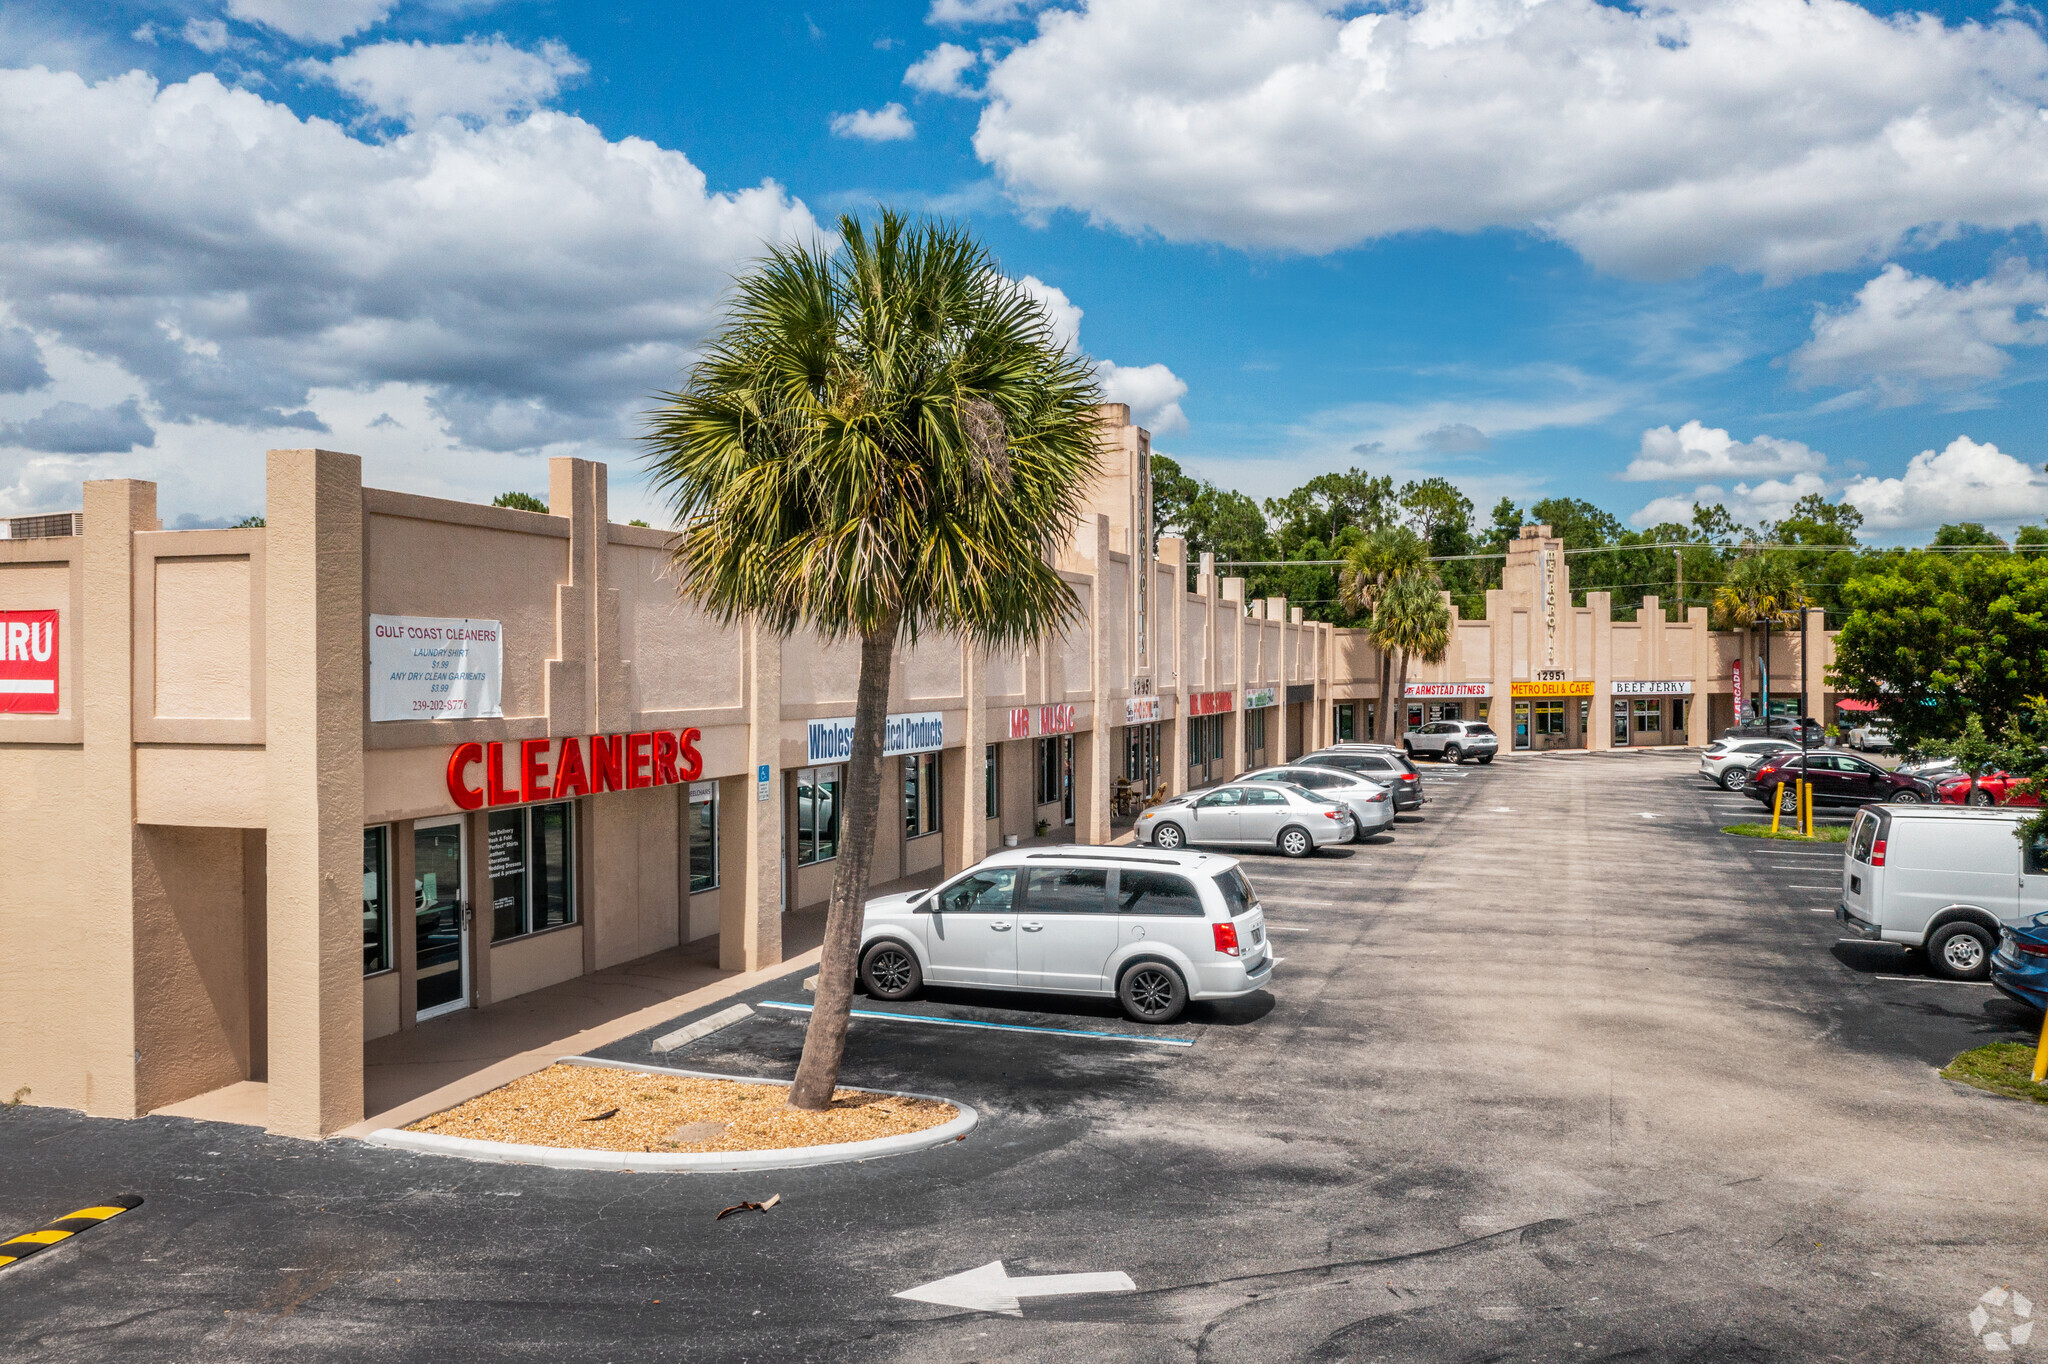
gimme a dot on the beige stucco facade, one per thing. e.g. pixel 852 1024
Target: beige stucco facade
pixel 187 896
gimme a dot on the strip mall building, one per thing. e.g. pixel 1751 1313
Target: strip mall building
pixel 273 794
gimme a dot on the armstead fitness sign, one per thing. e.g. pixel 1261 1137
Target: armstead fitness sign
pixel 1424 691
pixel 579 767
pixel 431 668
pixel 28 662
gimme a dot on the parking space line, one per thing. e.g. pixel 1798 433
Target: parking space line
pixel 1934 980
pixel 993 1027
pixel 1272 927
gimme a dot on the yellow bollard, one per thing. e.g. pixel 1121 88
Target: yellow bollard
pixel 1777 807
pixel 1807 807
pixel 2041 1053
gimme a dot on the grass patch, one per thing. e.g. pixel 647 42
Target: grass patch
pixel 2002 1068
pixel 1825 833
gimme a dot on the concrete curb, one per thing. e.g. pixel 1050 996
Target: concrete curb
pixel 689 1162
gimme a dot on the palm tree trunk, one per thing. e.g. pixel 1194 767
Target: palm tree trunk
pixel 1385 728
pixel 817 1074
pixel 1401 691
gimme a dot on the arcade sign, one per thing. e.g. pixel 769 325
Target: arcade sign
pixel 616 762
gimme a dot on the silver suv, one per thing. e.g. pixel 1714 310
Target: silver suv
pixel 1152 930
pixel 1372 807
pixel 1260 814
pixel 1453 740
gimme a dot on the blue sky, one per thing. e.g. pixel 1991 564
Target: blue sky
pixel 1738 251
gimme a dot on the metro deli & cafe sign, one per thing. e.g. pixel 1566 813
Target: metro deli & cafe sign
pixel 580 767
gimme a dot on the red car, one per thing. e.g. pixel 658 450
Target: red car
pixel 1993 788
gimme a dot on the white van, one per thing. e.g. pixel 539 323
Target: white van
pixel 1943 878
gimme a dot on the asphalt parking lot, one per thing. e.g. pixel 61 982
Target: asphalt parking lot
pixel 1554 1071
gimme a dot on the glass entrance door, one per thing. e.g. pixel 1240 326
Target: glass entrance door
pixel 441 918
pixel 1620 723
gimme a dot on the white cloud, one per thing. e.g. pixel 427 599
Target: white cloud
pixel 313 21
pixel 1153 391
pixel 419 82
pixel 1964 482
pixel 938 71
pixel 1697 451
pixel 1906 334
pixel 1749 503
pixel 208 35
pixel 886 124
pixel 525 284
pixel 961 12
pixel 1781 136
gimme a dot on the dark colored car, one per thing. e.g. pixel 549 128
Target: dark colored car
pixel 1838 779
pixel 1387 766
pixel 2020 969
pixel 1993 788
pixel 1779 727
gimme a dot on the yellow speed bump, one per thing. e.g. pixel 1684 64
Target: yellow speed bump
pixel 63 1229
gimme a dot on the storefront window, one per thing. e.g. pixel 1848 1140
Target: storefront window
pixel 817 814
pixel 991 806
pixel 376 900
pixel 1521 724
pixel 1649 717
pixel 920 795
pixel 530 858
pixel 1549 717
pixel 1678 715
pixel 703 836
pixel 1255 735
pixel 1345 726
pixel 1052 771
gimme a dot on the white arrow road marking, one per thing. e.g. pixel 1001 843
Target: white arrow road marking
pixel 990 1289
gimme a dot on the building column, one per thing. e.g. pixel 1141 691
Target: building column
pixel 1601 620
pixel 750 828
pixel 963 825
pixel 1092 757
pixel 1699 718
pixel 104 671
pixel 1814 700
pixel 1231 621
pixel 313 597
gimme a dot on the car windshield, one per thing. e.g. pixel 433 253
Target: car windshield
pixel 1479 729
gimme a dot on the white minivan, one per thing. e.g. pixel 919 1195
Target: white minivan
pixel 1151 929
pixel 1941 877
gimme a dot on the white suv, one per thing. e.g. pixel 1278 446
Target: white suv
pixel 1152 930
pixel 1453 740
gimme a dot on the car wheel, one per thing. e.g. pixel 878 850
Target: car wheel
pixel 1455 754
pixel 1960 951
pixel 1788 799
pixel 1906 798
pixel 1168 837
pixel 1152 992
pixel 1982 798
pixel 1731 780
pixel 1295 842
pixel 1409 749
pixel 890 971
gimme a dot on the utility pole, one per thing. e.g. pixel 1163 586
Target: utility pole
pixel 1679 555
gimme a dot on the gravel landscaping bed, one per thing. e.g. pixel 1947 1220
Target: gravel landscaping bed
pixel 593 1108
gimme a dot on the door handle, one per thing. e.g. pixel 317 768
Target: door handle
pixel 1033 928
pixel 999 928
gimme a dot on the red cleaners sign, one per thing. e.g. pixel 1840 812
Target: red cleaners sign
pixel 28 662
pixel 536 769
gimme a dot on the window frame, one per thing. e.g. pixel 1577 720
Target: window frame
pixel 992 781
pixel 921 795
pixel 387 957
pixel 838 784
pixel 1117 904
pixel 702 793
pixel 532 887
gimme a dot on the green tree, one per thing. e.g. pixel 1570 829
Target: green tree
pixel 1327 505
pixel 1760 589
pixel 250 523
pixel 1934 639
pixel 1372 568
pixel 2030 539
pixel 520 502
pixel 1410 621
pixel 1577 522
pixel 1964 535
pixel 881 443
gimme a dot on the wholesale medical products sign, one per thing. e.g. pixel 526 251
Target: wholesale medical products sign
pixel 429 668
pixel 28 662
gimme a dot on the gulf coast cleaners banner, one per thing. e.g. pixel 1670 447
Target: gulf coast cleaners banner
pixel 435 668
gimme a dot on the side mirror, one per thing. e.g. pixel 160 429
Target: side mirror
pixel 922 904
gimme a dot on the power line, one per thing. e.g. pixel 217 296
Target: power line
pixel 1862 551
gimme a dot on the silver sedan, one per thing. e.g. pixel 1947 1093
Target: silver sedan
pixel 1249 814
pixel 1371 804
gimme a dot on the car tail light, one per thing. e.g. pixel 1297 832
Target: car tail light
pixel 1226 939
pixel 2029 949
pixel 1407 776
pixel 1377 795
pixel 1333 814
pixel 1877 853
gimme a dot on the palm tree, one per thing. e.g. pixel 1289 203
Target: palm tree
pixel 1761 589
pixel 1411 620
pixel 883 442
pixel 1371 567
